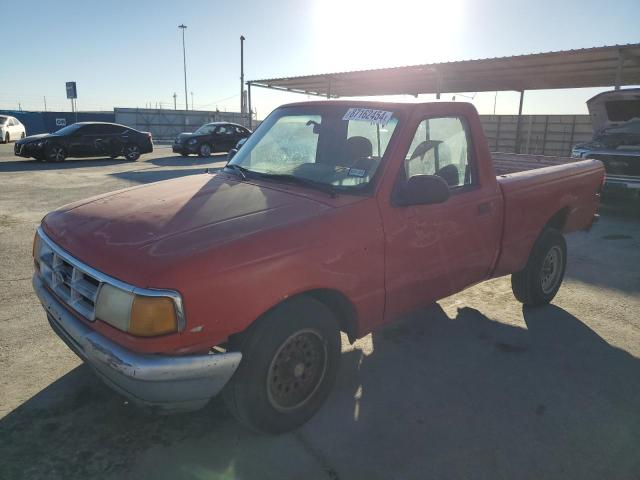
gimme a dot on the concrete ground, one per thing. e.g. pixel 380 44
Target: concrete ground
pixel 475 387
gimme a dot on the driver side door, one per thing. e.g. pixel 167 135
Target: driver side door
pixel 435 250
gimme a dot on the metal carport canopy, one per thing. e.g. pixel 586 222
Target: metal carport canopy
pixel 589 67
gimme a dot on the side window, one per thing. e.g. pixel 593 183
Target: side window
pixel 92 129
pixel 441 147
pixel 240 131
pixel 224 130
pixel 112 129
pixel 12 122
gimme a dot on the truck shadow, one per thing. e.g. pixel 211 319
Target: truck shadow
pixel 462 397
pixel 151 175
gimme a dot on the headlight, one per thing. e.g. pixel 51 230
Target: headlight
pixel 192 141
pixel 140 315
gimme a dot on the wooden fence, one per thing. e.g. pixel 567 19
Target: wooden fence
pixel 539 134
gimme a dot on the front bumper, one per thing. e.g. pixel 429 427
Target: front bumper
pixel 168 383
pixel 621 183
pixel 184 148
pixel 26 150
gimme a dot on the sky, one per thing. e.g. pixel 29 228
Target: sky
pixel 129 53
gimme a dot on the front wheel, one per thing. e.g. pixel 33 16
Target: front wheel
pixel 56 153
pixel 541 278
pixel 6 138
pixel 132 152
pixel 204 150
pixel 290 358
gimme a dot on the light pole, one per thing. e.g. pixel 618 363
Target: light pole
pixel 183 27
pixel 192 104
pixel 242 102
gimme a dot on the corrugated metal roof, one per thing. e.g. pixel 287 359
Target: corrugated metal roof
pixel 586 67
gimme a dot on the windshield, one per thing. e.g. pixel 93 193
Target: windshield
pixel 205 129
pixel 338 146
pixel 68 129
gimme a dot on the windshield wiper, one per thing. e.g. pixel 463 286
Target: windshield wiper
pixel 242 172
pixel 305 182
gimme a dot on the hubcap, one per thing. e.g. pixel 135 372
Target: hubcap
pixel 132 151
pixel 296 370
pixel 206 150
pixel 57 154
pixel 551 269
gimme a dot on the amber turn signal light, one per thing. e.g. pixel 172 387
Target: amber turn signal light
pixel 151 316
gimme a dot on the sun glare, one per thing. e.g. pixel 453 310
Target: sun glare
pixel 358 34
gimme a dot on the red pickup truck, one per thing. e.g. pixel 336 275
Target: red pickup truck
pixel 333 216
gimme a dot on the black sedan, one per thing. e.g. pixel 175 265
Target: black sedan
pixel 86 139
pixel 209 138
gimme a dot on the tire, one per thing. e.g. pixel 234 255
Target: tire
pixel 7 138
pixel 205 150
pixel 56 154
pixel 300 337
pixel 132 152
pixel 22 135
pixel 540 280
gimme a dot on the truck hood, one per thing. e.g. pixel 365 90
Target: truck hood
pixel 136 233
pixel 614 109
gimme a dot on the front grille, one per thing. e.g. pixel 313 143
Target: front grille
pixel 619 164
pixel 65 277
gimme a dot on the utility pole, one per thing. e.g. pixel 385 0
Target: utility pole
pixel 192 104
pixel 242 102
pixel 183 27
pixel 175 95
pixel 45 103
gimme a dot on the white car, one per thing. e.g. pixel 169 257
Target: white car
pixel 11 129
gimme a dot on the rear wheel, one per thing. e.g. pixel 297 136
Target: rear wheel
pixel 6 138
pixel 541 278
pixel 132 152
pixel 204 150
pixel 56 153
pixel 289 362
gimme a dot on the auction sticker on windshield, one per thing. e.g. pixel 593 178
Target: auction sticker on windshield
pixel 380 117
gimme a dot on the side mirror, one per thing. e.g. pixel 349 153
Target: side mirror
pixel 423 190
pixel 231 153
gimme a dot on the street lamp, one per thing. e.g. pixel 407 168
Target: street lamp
pixel 183 27
pixel 242 102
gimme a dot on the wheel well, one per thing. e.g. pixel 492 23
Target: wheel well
pixel 341 307
pixel 334 300
pixel 559 219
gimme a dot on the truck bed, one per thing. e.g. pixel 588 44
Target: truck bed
pixel 539 191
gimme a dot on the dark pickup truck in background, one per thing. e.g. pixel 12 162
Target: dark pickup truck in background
pixel 615 117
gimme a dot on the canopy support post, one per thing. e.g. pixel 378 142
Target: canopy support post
pixel 519 125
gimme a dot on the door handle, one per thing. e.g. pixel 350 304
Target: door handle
pixel 484 208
